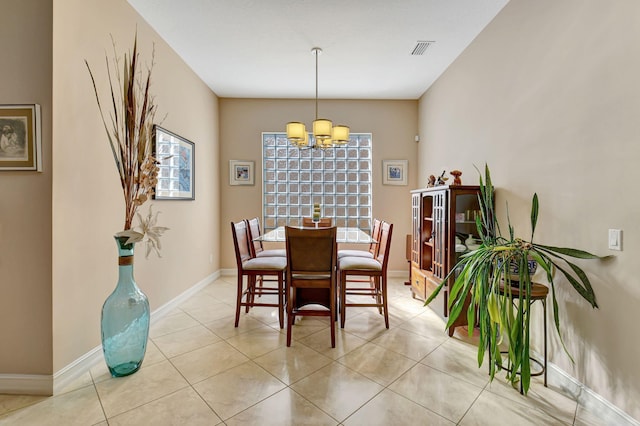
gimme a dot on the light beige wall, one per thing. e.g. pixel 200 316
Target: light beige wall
pixel 25 206
pixel 393 125
pixel 87 198
pixel 548 95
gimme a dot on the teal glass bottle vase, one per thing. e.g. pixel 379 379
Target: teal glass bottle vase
pixel 125 318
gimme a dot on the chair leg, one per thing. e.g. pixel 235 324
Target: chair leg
pixel 290 316
pixel 378 291
pixel 332 322
pixel 544 305
pixel 281 300
pixel 249 298
pixel 289 325
pixel 338 287
pixel 254 288
pixel 385 307
pixel 374 287
pixel 238 299
pixel 343 295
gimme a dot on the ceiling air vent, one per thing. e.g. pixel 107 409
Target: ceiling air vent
pixel 421 47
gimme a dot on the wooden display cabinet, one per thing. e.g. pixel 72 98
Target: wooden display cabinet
pixel 443 228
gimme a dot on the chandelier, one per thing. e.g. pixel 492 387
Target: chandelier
pixel 325 134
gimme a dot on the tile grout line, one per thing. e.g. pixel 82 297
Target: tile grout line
pixel 95 388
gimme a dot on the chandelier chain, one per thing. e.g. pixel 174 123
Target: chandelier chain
pixel 317 53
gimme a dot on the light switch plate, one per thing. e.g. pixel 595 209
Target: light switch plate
pixel 615 239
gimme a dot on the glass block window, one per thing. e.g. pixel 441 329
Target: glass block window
pixel 339 179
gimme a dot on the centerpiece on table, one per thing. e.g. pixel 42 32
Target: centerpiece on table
pixel 125 313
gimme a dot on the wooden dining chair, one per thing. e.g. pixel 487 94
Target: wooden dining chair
pixel 311 275
pixel 253 267
pixel 371 253
pixel 325 222
pixel 375 268
pixel 257 248
pixel 373 247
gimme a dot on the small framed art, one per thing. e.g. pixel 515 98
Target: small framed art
pixel 241 172
pixel 176 158
pixel 20 134
pixel 394 172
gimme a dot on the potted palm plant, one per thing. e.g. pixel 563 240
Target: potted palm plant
pixel 486 276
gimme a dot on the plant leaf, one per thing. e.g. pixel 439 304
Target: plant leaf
pixel 435 293
pixel 534 214
pixel 585 281
pixel 583 289
pixel 511 230
pixel 578 254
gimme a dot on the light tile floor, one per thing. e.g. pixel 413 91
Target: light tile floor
pixel 200 370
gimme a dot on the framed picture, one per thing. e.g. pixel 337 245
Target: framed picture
pixel 394 172
pixel 176 174
pixel 240 172
pixel 20 137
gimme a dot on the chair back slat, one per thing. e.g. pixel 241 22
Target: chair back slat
pixel 384 244
pixel 325 222
pixel 241 242
pixel 375 234
pixel 253 225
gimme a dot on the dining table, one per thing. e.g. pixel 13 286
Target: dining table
pixel 345 235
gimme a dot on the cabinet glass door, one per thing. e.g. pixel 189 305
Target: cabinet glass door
pixel 439 234
pixel 467 210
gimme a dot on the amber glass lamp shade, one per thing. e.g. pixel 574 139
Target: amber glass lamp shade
pixel 322 128
pixel 340 134
pixel 296 131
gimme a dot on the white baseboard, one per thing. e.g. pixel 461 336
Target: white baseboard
pixel 588 398
pixel 228 272
pixel 77 368
pixel 167 307
pixel 398 274
pixel 26 384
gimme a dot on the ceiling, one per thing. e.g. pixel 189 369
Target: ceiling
pixel 262 48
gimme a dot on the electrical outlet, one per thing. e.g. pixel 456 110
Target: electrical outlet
pixel 211 258
pixel 615 239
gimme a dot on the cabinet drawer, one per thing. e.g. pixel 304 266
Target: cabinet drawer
pixel 439 304
pixel 431 284
pixel 418 281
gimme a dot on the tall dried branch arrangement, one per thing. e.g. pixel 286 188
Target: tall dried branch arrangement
pixel 129 127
